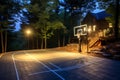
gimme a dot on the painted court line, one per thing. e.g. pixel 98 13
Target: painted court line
pixel 55 65
pixel 68 68
pixel 40 72
pixel 58 68
pixel 46 67
pixel 16 70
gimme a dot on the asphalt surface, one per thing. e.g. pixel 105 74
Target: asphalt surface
pixel 56 65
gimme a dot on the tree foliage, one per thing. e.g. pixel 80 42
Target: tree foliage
pixel 112 7
pixel 8 8
pixel 41 17
pixel 7 12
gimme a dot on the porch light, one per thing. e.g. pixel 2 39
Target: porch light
pixel 110 25
pixel 94 27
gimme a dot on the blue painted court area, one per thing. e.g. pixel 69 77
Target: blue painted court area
pixel 61 65
pixel 81 69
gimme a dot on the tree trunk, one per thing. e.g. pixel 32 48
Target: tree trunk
pixel 69 39
pixel 65 23
pixel 28 42
pixel 58 41
pixel 45 41
pixel 33 46
pixel 63 40
pixel 2 42
pixel 37 42
pixel 5 40
pixel 42 43
pixel 116 28
pixel 58 38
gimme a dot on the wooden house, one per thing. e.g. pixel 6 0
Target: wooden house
pixel 96 21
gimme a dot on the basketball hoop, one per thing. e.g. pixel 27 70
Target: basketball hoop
pixel 80 31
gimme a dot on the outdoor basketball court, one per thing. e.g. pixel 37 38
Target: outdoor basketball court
pixel 60 65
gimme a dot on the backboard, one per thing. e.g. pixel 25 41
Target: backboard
pixel 80 30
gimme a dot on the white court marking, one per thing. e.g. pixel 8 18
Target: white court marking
pixel 46 67
pixel 68 68
pixel 55 65
pixel 16 70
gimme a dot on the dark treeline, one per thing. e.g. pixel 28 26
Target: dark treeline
pixel 51 21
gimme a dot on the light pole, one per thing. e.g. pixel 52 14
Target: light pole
pixel 28 32
pixel 87 42
pixel 79 40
